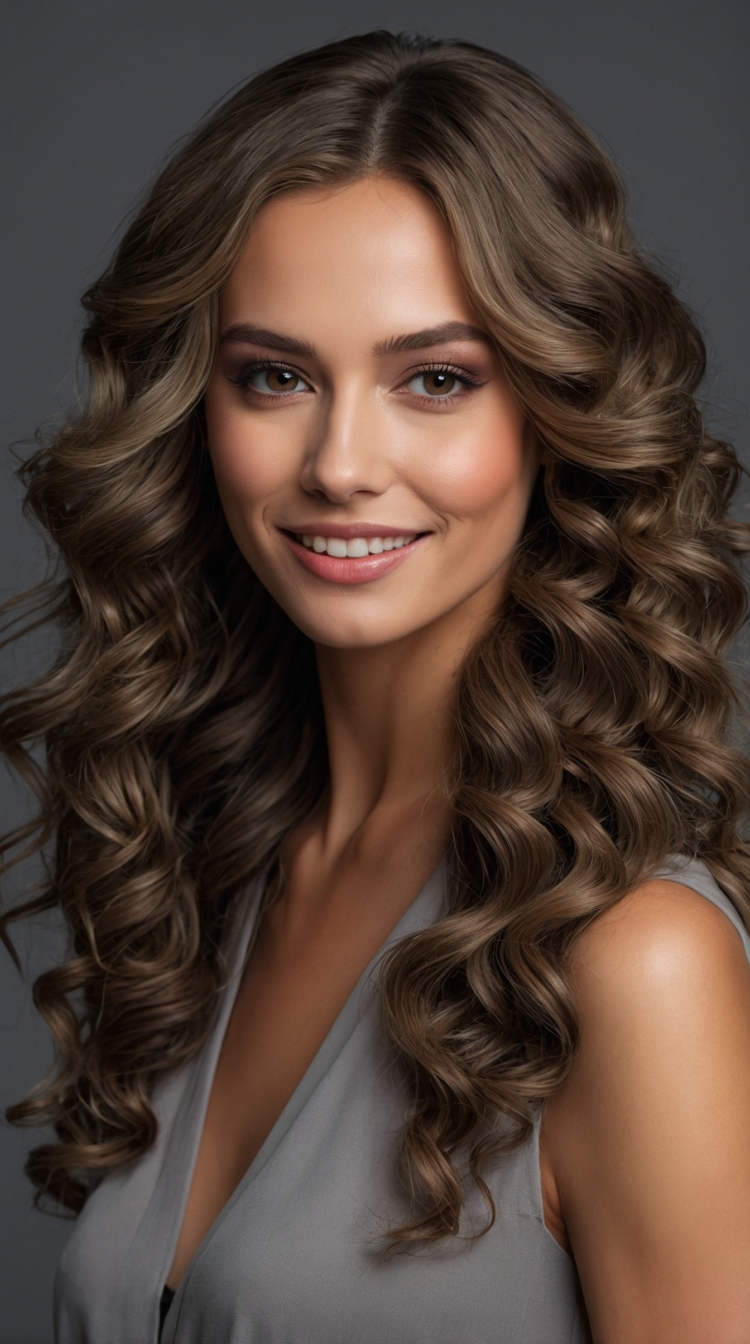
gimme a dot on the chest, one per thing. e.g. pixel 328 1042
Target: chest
pixel 294 1254
pixel 299 976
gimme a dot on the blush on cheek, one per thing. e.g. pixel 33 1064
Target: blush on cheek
pixel 479 476
pixel 245 463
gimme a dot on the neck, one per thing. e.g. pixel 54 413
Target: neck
pixel 390 719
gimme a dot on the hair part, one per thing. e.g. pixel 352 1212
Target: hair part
pixel 181 722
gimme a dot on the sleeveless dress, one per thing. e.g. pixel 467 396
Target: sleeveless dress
pixel 294 1257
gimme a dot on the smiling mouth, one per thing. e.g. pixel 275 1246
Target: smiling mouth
pixel 353 548
pixel 352 560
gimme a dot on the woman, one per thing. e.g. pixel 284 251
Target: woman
pixel 397 828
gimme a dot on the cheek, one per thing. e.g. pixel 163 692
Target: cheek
pixel 245 465
pixel 489 468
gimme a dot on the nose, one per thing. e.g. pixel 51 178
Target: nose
pixel 347 453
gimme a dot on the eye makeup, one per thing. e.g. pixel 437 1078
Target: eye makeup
pixel 443 382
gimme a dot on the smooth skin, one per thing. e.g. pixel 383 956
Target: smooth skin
pixel 354 386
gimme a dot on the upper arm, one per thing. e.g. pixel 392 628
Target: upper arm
pixel 649 1137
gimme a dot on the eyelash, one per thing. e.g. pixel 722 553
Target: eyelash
pixel 468 381
pixel 242 379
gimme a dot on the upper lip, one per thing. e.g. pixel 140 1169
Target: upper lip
pixel 350 530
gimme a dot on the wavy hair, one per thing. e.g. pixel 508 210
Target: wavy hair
pixel 181 722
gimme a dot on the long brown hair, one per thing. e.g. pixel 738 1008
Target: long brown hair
pixel 181 723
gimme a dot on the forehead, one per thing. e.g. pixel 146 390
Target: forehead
pixel 375 252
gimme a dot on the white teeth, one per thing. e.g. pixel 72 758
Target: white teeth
pixel 355 548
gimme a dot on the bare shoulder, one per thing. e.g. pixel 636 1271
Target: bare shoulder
pixel 662 989
pixel 661 984
pixel 662 939
pixel 647 1138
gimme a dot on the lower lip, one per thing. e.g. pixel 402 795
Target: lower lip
pixel 359 569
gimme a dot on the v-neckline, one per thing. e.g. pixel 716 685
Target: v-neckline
pixel 359 1002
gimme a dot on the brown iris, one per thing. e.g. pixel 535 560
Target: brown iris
pixel 280 380
pixel 437 384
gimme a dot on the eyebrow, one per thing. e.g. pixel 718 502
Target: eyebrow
pixel 273 340
pixel 413 340
pixel 419 340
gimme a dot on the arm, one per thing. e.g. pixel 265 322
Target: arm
pixel 648 1140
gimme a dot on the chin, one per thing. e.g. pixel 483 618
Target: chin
pixel 348 635
pixel 335 630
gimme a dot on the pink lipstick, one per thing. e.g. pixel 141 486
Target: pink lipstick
pixel 362 551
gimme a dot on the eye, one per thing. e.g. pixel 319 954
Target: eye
pixel 269 379
pixel 272 380
pixel 435 383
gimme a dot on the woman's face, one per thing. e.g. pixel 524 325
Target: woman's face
pixel 373 463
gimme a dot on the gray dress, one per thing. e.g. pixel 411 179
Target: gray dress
pixel 295 1255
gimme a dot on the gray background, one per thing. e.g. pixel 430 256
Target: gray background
pixel 95 91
